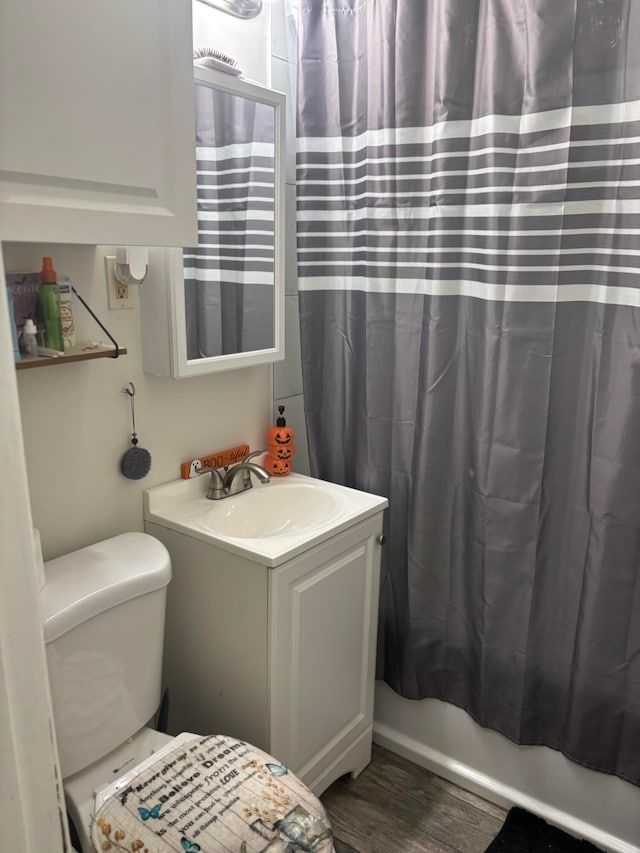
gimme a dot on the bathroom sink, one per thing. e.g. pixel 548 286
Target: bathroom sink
pixel 269 523
pixel 289 508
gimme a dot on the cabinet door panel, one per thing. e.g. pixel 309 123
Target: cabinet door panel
pixel 328 623
pixel 96 122
pixel 324 609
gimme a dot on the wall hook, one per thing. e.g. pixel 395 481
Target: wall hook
pixel 132 265
pixel 136 462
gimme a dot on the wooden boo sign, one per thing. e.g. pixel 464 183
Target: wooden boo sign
pixel 216 460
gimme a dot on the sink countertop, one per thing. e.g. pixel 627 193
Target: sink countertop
pixel 182 505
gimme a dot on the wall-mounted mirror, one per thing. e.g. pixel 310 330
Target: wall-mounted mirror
pixel 222 301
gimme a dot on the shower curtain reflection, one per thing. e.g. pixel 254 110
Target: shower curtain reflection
pixel 229 277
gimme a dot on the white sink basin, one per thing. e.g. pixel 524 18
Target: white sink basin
pixel 270 523
pixel 292 507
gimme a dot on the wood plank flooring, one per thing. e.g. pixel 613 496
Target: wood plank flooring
pixel 394 806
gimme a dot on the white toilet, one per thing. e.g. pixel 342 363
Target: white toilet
pixel 127 786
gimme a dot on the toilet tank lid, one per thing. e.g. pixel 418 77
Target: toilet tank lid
pixel 90 581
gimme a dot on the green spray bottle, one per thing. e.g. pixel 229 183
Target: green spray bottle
pixel 50 301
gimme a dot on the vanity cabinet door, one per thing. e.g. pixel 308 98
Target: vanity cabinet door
pixel 323 618
pixel 96 122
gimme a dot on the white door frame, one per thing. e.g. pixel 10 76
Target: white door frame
pixel 31 806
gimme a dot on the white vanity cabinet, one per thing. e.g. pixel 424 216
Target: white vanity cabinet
pixel 97 122
pixel 280 656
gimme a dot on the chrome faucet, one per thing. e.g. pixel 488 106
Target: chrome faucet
pixel 223 486
pixel 246 468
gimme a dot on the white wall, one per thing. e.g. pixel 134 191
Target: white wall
pixel 287 374
pixel 76 421
pixel 29 804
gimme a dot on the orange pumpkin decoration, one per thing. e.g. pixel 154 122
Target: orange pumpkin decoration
pixel 281 449
pixel 280 434
pixel 285 452
pixel 277 467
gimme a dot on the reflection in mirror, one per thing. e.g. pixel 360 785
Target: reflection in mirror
pixel 229 276
pixel 222 301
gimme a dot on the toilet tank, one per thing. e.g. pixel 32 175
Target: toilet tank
pixel 103 622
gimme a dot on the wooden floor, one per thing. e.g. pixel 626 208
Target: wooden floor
pixel 394 806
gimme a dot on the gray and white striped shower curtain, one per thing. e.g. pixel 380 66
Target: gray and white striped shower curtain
pixel 468 177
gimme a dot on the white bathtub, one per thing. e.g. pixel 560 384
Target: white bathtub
pixel 601 808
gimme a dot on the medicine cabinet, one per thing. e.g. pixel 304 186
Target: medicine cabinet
pixel 220 305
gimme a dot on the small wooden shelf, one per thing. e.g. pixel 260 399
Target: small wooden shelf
pixel 82 352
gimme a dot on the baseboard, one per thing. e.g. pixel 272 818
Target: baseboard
pixel 491 789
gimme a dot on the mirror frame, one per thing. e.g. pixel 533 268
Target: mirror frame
pixel 180 365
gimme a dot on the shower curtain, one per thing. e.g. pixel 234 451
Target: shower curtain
pixel 468 184
pixel 228 276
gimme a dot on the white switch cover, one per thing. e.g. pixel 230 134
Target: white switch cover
pixel 120 296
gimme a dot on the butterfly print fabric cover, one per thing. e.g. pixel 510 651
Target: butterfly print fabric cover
pixel 214 795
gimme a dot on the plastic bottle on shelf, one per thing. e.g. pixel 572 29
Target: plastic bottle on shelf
pixel 29 338
pixel 12 319
pixel 66 315
pixel 50 301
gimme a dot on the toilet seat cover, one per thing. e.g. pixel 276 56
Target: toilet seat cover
pixel 215 795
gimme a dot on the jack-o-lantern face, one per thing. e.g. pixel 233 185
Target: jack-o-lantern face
pixel 282 435
pixel 278 467
pixel 285 452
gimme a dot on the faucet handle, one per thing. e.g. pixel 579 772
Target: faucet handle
pixel 201 470
pixel 246 474
pixel 216 477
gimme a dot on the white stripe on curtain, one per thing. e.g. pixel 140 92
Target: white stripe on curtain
pixel 216 275
pixel 513 210
pixel 235 151
pixel 532 123
pixel 488 292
